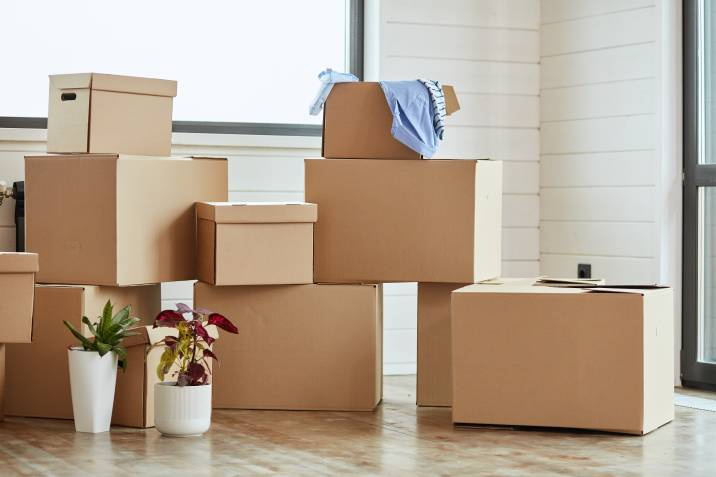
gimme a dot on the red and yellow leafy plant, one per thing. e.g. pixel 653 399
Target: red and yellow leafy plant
pixel 190 349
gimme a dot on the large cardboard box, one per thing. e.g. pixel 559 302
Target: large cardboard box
pixel 357 123
pixel 2 381
pixel 299 347
pixel 91 112
pixel 255 243
pixel 406 221
pixel 434 379
pixel 17 289
pixel 37 374
pixel 117 220
pixel 599 358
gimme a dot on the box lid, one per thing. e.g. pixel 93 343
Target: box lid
pixel 565 286
pixel 257 212
pixel 122 84
pixel 19 262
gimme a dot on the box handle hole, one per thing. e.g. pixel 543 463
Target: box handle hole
pixel 68 96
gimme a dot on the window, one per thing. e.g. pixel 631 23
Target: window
pixel 235 60
pixel 699 256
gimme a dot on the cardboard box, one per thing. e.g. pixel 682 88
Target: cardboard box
pixel 357 123
pixel 434 379
pixel 2 382
pixel 592 358
pixel 406 221
pixel 116 220
pixel 299 347
pixel 134 394
pixel 91 112
pixel 17 290
pixel 37 374
pixel 259 243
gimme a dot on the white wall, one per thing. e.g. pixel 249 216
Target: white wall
pixel 489 50
pixel 610 169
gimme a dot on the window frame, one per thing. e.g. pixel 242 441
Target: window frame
pixel 355 25
pixel 694 373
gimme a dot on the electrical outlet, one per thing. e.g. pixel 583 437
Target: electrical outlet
pixel 584 270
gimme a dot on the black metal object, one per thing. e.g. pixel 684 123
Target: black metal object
pixel 18 189
pixel 584 270
pixel 356 35
pixel 694 373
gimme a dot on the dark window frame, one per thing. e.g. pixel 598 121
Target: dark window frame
pixel 355 63
pixel 693 372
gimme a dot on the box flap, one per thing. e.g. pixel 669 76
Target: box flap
pixel 517 287
pixel 19 262
pixel 547 281
pixel 257 212
pixel 635 289
pixel 71 81
pixel 208 158
pixel 118 83
pixel 451 102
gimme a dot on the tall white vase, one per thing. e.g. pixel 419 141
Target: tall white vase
pixel 92 379
pixel 182 411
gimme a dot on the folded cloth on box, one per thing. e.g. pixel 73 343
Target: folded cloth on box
pixel 328 79
pixel 437 98
pixel 411 106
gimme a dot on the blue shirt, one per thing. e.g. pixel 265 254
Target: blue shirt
pixel 412 109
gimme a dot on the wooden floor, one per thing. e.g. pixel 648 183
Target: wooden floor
pixel 398 439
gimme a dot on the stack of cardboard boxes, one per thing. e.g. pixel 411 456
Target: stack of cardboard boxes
pixel 387 215
pixel 301 345
pixel 303 280
pixel 111 217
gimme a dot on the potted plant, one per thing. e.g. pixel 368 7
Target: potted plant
pixel 93 367
pixel 182 407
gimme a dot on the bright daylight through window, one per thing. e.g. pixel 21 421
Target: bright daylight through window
pixel 235 60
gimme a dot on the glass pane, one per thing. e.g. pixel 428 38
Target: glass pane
pixel 707 274
pixel 707 67
pixel 235 60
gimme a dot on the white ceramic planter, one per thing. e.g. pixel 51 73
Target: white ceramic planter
pixel 92 380
pixel 182 411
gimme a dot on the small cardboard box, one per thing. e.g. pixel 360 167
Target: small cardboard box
pixel 299 347
pixel 406 221
pixel 357 123
pixel 592 358
pixel 115 220
pixel 434 378
pixel 91 112
pixel 17 291
pixel 258 243
pixel 37 374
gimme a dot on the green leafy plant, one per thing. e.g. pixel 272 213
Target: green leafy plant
pixel 108 332
pixel 190 349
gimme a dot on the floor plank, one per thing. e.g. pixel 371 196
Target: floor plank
pixel 397 439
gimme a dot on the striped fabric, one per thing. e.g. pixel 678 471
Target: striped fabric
pixel 438 100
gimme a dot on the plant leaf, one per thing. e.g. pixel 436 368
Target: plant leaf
pixel 86 344
pixel 183 308
pixel 210 354
pixel 168 318
pixel 222 322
